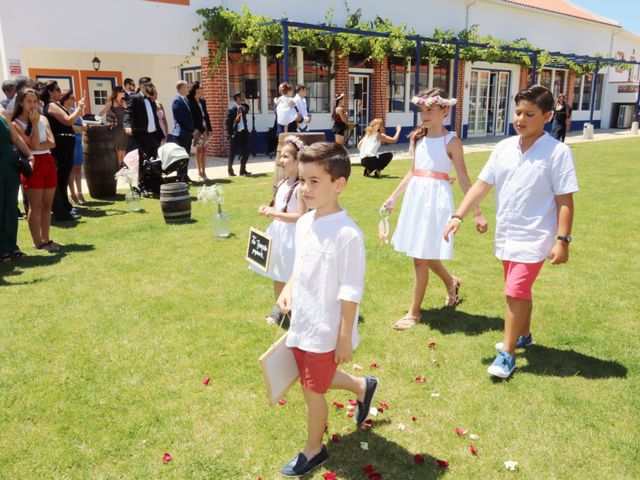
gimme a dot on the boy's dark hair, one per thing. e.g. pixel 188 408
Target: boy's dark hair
pixel 333 157
pixel 143 81
pixel 538 95
pixel 8 85
pixel 300 87
pixel 129 81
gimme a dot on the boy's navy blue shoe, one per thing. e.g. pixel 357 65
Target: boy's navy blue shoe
pixel 521 343
pixel 503 366
pixel 299 465
pixel 362 409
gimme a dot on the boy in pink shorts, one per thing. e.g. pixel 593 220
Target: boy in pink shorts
pixel 535 180
pixel 323 294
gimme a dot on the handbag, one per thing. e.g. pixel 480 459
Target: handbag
pixel 22 163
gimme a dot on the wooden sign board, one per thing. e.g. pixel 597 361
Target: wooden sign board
pixel 279 369
pixel 259 249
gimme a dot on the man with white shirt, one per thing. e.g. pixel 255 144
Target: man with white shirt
pixel 141 121
pixel 304 117
pixel 237 133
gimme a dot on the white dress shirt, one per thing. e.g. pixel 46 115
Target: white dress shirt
pixel 329 268
pixel 301 105
pixel 526 185
pixel 151 126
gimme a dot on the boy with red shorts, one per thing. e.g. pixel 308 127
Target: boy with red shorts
pixel 535 180
pixel 323 294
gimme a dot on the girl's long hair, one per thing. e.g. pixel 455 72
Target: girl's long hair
pixel 338 98
pixel 47 88
pixel 114 94
pixel 19 106
pixel 421 130
pixel 374 127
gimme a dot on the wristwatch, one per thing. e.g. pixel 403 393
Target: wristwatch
pixel 564 239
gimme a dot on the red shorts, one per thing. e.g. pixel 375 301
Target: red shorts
pixel 316 369
pixel 44 173
pixel 519 278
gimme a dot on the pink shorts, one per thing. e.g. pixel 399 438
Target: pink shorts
pixel 316 369
pixel 519 278
pixel 44 173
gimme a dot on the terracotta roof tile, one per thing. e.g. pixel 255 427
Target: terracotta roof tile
pixel 564 7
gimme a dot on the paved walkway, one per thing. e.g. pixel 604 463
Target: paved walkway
pixel 217 167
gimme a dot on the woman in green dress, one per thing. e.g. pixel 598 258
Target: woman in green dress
pixel 9 183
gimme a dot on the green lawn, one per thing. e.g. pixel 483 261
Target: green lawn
pixel 104 348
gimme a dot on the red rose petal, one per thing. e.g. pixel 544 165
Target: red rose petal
pixel 414 418
pixel 338 404
pixel 431 344
pixel 375 476
pixel 353 403
pixel 473 450
pixel 329 475
pixel 442 463
pixel 374 365
pixel 368 469
pixel 282 401
pixel 380 410
pixel 207 380
pixel 166 457
pixel 418 458
pixel 350 414
pixel 461 431
pixel 383 405
pixel 368 422
pixel 335 438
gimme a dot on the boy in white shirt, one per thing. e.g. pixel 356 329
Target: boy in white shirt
pixel 304 117
pixel 535 180
pixel 323 294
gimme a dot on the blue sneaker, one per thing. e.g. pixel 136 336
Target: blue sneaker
pixel 503 366
pixel 521 343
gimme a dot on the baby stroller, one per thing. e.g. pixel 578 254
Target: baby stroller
pixel 155 171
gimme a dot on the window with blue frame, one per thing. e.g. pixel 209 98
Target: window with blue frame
pixel 317 81
pixel 397 76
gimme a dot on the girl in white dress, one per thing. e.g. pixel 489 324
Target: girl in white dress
pixel 428 202
pixel 285 209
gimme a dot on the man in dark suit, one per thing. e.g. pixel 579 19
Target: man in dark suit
pixel 183 127
pixel 141 121
pixel 129 87
pixel 237 133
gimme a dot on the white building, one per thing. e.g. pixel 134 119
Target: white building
pixel 133 38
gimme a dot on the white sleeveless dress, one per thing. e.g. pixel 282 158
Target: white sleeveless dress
pixel 283 251
pixel 427 206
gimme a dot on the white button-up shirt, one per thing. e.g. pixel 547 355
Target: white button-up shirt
pixel 329 268
pixel 526 185
pixel 151 124
pixel 301 105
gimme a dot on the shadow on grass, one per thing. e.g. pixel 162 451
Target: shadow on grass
pixel 450 320
pixel 100 203
pixel 566 363
pixel 391 460
pixel 210 181
pixel 87 213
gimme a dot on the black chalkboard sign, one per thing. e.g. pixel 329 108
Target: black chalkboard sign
pixel 259 249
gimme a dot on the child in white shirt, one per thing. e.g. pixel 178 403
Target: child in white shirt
pixel 286 111
pixel 323 296
pixel 535 179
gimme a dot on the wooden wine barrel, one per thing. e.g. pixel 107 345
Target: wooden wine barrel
pixel 307 139
pixel 100 161
pixel 175 202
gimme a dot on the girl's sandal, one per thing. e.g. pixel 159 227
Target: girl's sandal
pixel 272 319
pixel 407 322
pixel 17 254
pixel 452 299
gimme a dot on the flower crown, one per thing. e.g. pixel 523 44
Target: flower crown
pixel 428 102
pixel 296 142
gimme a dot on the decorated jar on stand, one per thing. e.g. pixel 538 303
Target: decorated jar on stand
pixel 133 200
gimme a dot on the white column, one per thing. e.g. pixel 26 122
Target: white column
pixel 299 67
pixel 264 86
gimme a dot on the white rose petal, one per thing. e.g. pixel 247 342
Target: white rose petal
pixel 435 395
pixel 473 436
pixel 357 367
pixel 364 445
pixel 402 427
pixel 373 411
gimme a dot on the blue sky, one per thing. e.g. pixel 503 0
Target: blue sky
pixel 627 12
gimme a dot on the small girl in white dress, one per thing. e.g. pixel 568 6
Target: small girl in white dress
pixel 285 209
pixel 428 201
pixel 286 110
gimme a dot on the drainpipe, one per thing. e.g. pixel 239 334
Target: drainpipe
pixel 593 91
pixel 285 48
pixel 416 82
pixel 466 18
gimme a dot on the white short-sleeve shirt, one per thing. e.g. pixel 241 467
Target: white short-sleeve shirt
pixel 526 185
pixel 329 268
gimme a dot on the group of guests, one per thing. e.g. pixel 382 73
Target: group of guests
pixel 44 124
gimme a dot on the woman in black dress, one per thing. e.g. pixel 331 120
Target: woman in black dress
pixel 561 118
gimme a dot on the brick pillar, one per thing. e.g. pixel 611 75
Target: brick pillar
pixel 341 80
pixel 524 77
pixel 379 90
pixel 459 104
pixel 571 84
pixel 216 94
